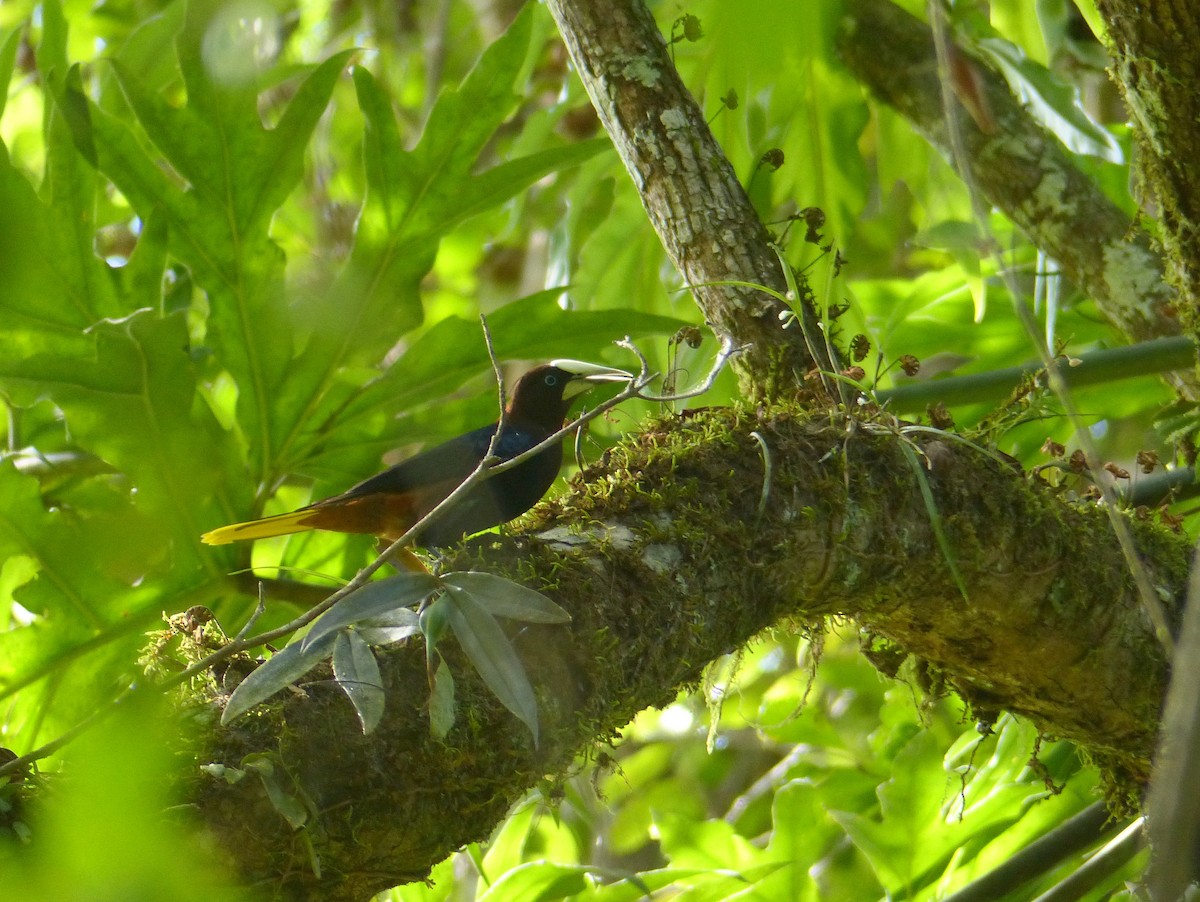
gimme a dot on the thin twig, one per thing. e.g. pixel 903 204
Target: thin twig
pixel 259 610
pixel 487 468
pixel 577 447
pixel 491 350
pixel 728 349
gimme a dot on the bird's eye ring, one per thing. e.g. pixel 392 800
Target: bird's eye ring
pixel 551 379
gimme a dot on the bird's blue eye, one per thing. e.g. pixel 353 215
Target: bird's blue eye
pixel 551 379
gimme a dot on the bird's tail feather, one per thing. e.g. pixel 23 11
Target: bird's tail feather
pixel 280 525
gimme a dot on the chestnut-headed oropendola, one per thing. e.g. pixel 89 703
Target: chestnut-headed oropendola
pixel 391 503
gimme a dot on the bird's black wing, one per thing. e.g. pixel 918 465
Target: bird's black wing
pixel 448 463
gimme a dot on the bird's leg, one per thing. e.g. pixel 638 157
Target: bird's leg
pixel 403 559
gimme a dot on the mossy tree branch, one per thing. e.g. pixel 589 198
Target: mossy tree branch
pixel 1156 48
pixel 661 557
pixel 665 562
pixel 1016 165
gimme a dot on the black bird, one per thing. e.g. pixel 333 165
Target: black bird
pixel 389 504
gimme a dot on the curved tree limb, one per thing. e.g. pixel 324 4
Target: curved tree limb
pixel 1156 49
pixel 1018 166
pixel 672 552
pixel 657 555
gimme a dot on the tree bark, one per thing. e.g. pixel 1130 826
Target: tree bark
pixel 1156 50
pixel 1016 164
pixel 667 557
pixel 691 194
pixel 689 539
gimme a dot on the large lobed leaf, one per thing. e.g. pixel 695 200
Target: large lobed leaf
pixel 414 198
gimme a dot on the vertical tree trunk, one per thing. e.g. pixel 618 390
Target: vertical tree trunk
pixel 692 195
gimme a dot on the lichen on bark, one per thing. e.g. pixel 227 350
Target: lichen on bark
pixel 1050 627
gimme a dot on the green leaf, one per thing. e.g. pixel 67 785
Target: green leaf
pixel 507 846
pixel 801 833
pixel 49 294
pixel 539 881
pixel 289 806
pixel 505 598
pixel 496 185
pixel 441 701
pixel 148 53
pixel 238 173
pixel 143 274
pixel 8 58
pixel 687 842
pixel 394 243
pixel 242 272
pixel 70 192
pixel 278 672
pixel 217 141
pixel 1053 102
pixel 463 120
pixel 140 377
pixel 434 618
pixel 532 328
pixel 357 672
pixel 27 528
pixel 493 656
pixel 374 601
pixel 415 196
pixel 917 836
pixel 52 48
pixel 640 886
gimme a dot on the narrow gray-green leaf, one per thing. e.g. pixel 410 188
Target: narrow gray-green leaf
pixel 441 702
pixel 390 628
pixel 357 672
pixel 935 518
pixel 434 621
pixel 375 599
pixel 493 656
pixel 293 810
pixel 504 598
pixel 283 668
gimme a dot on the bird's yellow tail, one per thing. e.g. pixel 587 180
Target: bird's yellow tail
pixel 281 525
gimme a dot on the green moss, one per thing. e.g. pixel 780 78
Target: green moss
pixel 844 532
